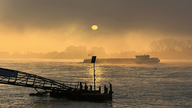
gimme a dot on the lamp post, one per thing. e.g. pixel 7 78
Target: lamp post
pixel 93 61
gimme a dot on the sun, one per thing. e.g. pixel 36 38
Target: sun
pixel 94 27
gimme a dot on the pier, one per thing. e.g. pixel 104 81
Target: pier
pixel 79 90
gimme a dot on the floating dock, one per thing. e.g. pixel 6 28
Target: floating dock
pixel 77 91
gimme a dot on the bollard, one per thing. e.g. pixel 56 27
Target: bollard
pixel 99 89
pixel 90 87
pixel 105 89
pixel 110 88
pixel 81 87
pixel 86 87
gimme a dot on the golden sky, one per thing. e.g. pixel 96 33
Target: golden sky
pixel 124 25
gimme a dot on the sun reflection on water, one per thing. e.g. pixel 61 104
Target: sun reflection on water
pixel 98 74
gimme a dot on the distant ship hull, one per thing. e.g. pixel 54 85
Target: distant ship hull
pixel 141 59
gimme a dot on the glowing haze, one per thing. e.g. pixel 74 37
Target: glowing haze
pixel 124 25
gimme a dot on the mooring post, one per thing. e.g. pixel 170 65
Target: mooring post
pixel 86 87
pixel 81 87
pixel 110 88
pixel 90 87
pixel 105 89
pixel 99 89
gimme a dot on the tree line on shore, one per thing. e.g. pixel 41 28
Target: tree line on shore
pixel 164 49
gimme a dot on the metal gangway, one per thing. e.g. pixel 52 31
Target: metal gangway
pixel 18 78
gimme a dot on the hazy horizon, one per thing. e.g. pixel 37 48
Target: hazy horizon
pixel 45 26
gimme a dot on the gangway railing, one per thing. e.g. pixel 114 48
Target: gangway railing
pixel 18 78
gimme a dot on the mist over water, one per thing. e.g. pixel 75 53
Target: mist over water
pixel 58 35
pixel 46 26
pixel 167 84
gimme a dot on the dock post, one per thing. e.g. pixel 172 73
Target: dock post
pixel 86 87
pixel 90 87
pixel 99 89
pixel 81 87
pixel 105 89
pixel 110 88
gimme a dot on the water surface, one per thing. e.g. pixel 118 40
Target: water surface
pixel 167 84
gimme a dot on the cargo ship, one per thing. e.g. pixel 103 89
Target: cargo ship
pixel 140 59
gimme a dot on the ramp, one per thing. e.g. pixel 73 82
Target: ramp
pixel 18 78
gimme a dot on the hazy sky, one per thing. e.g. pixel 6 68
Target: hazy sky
pixel 124 25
